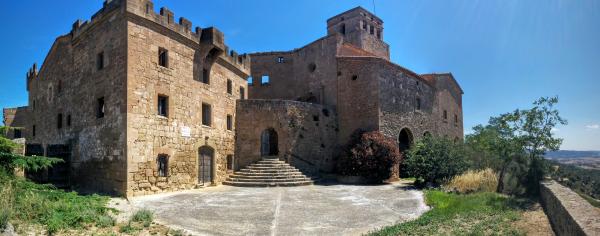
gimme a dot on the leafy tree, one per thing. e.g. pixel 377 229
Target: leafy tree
pixel 433 160
pixel 370 155
pixel 520 138
pixel 9 160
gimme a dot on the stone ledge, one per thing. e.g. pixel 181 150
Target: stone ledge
pixel 568 212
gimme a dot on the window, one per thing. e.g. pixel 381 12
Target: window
pixel 100 107
pixel 372 30
pixel 163 57
pixel 264 80
pixel 280 60
pixel 163 105
pixel 250 81
pixel 100 61
pixel 69 120
pixel 206 116
pixel 455 120
pixel 242 93
pixel 379 34
pixel 229 87
pixel 418 104
pixel 229 122
pixel 229 162
pixel 59 121
pixel 205 76
pixel 17 133
pixel 445 115
pixel 354 77
pixel 364 25
pixel 33 131
pixel 343 29
pixel 163 165
pixel 312 67
pixel 59 87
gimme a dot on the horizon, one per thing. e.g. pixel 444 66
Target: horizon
pixel 504 54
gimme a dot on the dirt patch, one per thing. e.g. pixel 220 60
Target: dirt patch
pixel 535 222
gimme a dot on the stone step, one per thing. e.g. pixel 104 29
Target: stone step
pixel 271 162
pixel 268 184
pixel 252 167
pixel 269 180
pixel 270 171
pixel 264 176
pixel 274 165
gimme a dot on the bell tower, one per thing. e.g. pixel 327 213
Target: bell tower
pixel 360 28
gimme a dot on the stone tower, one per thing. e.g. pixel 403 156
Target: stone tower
pixel 361 28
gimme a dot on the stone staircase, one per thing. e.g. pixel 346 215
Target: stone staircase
pixel 268 172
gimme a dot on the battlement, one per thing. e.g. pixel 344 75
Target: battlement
pixel 144 9
pixel 32 73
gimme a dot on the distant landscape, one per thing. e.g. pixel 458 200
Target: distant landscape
pixel 583 159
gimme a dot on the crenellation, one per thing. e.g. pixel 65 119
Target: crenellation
pixel 187 24
pixel 167 15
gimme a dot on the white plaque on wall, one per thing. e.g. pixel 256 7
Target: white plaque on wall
pixel 186 131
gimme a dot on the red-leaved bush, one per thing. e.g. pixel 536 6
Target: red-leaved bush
pixel 371 155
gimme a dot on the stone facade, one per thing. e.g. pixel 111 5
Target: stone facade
pixel 349 70
pixel 16 118
pixel 94 101
pixel 137 103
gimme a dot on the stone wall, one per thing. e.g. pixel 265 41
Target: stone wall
pixel 306 133
pixel 569 213
pixel 181 133
pixel 15 118
pixel 63 101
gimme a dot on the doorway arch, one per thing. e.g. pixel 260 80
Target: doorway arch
pixel 269 143
pixel 206 155
pixel 405 139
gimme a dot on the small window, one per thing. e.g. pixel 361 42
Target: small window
pixel 354 77
pixel 229 87
pixel 455 119
pixel 445 115
pixel 312 67
pixel 59 87
pixel 379 34
pixel 229 162
pixel 242 93
pixel 69 120
pixel 163 57
pixel 17 133
pixel 229 122
pixel 264 80
pixel 418 104
pixel 100 107
pixel 100 61
pixel 364 25
pixel 59 121
pixel 163 105
pixel 163 165
pixel 205 76
pixel 206 116
pixel 33 131
pixel 372 30
pixel 343 29
pixel 250 81
pixel 280 60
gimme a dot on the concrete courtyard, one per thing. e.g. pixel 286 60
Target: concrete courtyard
pixel 307 210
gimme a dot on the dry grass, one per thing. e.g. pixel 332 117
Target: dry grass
pixel 473 181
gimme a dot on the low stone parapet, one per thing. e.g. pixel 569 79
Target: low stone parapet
pixel 568 212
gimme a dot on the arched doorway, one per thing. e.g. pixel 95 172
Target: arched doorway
pixel 404 139
pixel 206 155
pixel 269 143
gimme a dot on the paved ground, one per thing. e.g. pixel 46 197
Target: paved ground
pixel 307 210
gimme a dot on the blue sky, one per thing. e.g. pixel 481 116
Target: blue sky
pixel 505 54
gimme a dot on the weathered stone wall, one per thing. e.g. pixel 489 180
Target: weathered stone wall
pixel 448 98
pixel 306 133
pixel 69 83
pixel 181 134
pixel 15 118
pixel 569 213
pixel 306 74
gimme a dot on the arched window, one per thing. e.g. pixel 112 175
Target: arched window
pixel 405 139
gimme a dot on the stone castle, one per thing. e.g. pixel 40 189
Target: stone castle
pixel 138 103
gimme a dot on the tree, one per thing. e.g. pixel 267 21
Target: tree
pixel 371 155
pixel 9 160
pixel 434 160
pixel 522 137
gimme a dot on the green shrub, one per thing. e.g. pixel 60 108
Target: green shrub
pixel 9 161
pixel 434 160
pixel 128 229
pixel 370 155
pixel 105 221
pixel 143 216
